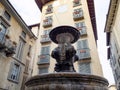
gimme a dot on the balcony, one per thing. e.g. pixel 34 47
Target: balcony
pixel 47 22
pixel 45 38
pixel 82 30
pixel 44 59
pixel 7 46
pixel 78 14
pixel 83 54
pixel 76 3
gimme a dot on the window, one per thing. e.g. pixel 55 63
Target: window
pixel 2 32
pixel 83 50
pixel 23 34
pixel 119 61
pixel 45 50
pixel 29 50
pixel 84 68
pixel 14 72
pixel 47 22
pixel 43 70
pixel 20 48
pixel 7 15
pixel 44 59
pixel 76 3
pixel 78 14
pixel 117 73
pixel 49 9
pixel 45 36
pixel 81 27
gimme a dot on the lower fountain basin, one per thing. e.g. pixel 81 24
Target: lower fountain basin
pixel 66 81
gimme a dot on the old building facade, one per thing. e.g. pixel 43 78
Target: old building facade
pixel 113 38
pixel 17 46
pixel 112 87
pixel 76 13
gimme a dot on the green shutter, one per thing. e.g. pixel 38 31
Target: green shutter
pixel 83 50
pixel 83 54
pixel 44 59
pixel 45 50
pixel 43 70
pixel 83 31
pixel 83 44
pixel 84 68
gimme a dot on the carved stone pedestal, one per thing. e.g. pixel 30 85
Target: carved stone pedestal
pixel 66 81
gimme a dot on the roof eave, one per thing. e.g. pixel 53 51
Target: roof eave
pixel 111 15
pixel 9 6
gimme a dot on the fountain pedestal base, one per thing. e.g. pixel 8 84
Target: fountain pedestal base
pixel 66 81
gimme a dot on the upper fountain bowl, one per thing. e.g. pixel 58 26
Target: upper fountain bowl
pixel 64 34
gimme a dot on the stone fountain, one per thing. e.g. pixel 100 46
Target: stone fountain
pixel 65 77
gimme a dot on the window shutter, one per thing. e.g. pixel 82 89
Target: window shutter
pixel 85 43
pixel 83 50
pixel 82 44
pixel 45 50
pixel 79 45
pixel 81 12
pixel 84 68
pixel 83 31
pixel 44 59
pixel 19 71
pixel 10 70
pixel 2 32
pixel 20 48
pixel 43 70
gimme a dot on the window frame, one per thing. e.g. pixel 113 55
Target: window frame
pixel 7 15
pixel 83 45
pixel 20 49
pixel 46 52
pixel 11 70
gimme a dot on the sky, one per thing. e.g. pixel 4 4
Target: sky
pixel 30 13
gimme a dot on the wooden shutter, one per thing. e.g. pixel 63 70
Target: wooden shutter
pixel 84 68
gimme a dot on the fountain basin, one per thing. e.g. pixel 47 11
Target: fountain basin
pixel 66 81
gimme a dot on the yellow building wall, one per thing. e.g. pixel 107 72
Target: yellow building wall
pixel 63 15
pixel 15 30
pixel 112 87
